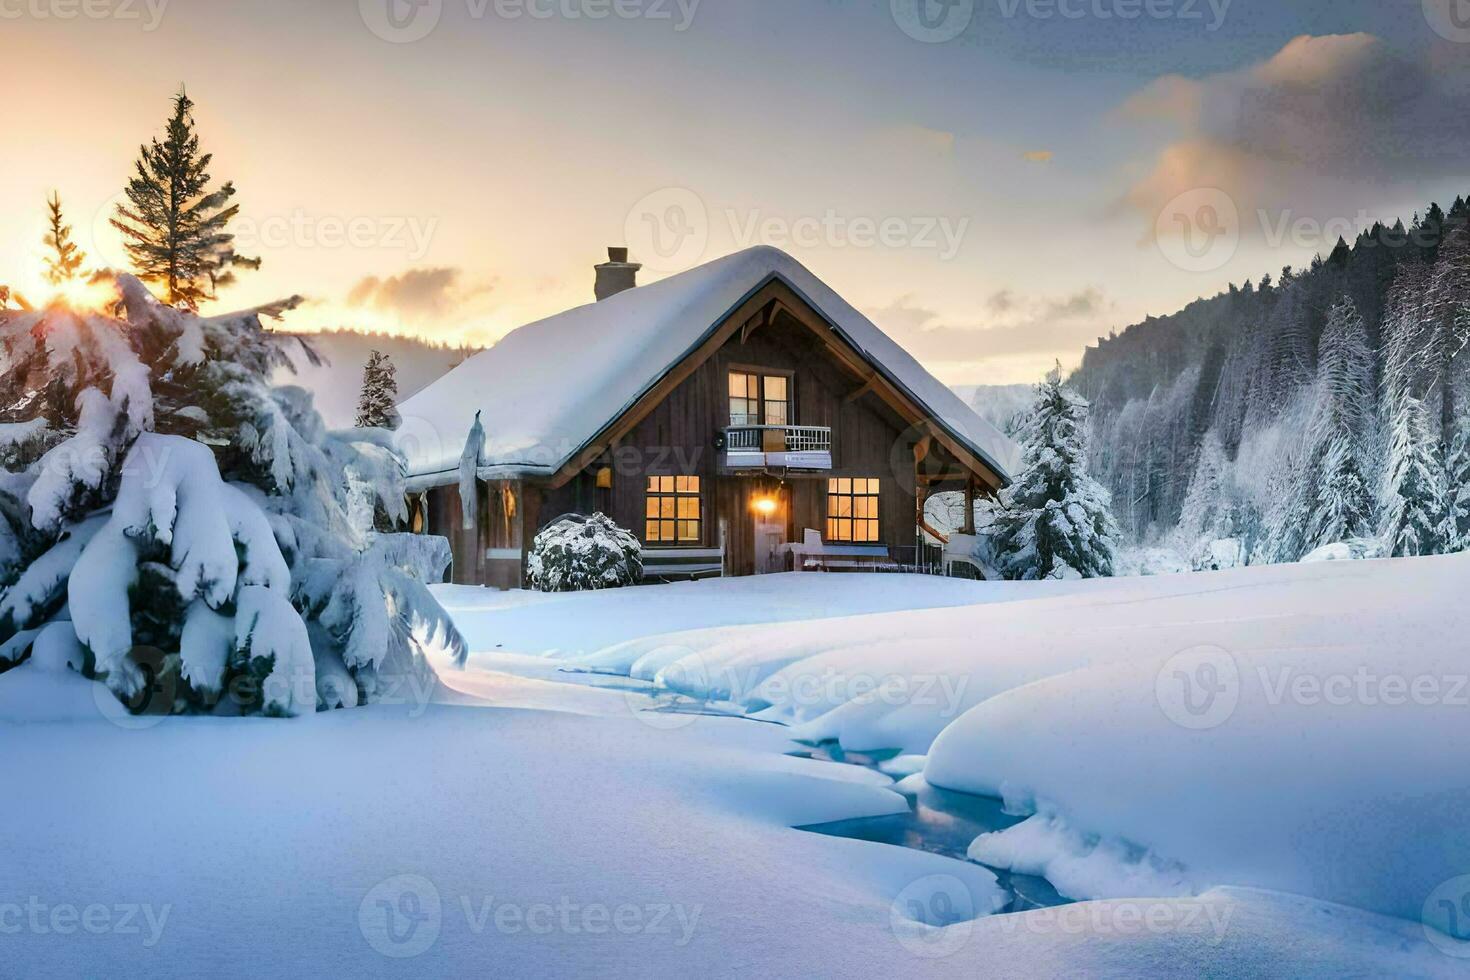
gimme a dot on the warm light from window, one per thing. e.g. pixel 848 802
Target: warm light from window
pixel 766 506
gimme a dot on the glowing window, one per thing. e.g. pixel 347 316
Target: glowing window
pixel 675 511
pixel 852 510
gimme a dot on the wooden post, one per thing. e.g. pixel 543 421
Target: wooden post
pixel 968 526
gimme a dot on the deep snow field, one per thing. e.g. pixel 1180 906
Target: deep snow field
pixel 1256 772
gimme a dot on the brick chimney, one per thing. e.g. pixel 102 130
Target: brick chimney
pixel 616 274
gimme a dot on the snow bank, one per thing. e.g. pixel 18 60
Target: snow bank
pixel 690 837
pixel 575 625
pixel 1339 771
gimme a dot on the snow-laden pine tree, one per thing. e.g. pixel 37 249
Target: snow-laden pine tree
pixel 1212 510
pixel 377 405
pixel 1055 520
pixel 1447 327
pixel 1283 532
pixel 1415 518
pixel 177 527
pixel 1337 474
pixel 63 258
pixel 1457 490
pixel 173 223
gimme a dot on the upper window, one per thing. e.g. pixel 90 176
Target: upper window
pixel 674 510
pixel 852 510
pixel 759 399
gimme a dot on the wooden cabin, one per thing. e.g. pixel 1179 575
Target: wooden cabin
pixel 739 418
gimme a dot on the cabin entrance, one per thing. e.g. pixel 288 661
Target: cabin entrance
pixel 768 509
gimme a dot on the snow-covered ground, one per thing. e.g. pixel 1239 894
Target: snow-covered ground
pixel 1233 818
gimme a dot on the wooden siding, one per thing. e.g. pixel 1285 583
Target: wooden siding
pixel 678 438
pixel 675 436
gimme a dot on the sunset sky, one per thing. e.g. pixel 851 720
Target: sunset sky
pixel 457 185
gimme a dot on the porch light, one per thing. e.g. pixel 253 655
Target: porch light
pixel 766 506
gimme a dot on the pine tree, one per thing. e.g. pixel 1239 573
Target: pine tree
pixel 1457 498
pixel 173 224
pixel 1445 329
pixel 377 406
pixel 1283 538
pixel 64 263
pixel 1337 467
pixel 183 526
pixel 1414 512
pixel 1055 520
pixel 1210 511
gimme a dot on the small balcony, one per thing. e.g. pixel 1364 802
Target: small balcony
pixel 795 447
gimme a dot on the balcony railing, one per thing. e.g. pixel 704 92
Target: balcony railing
pixel 802 447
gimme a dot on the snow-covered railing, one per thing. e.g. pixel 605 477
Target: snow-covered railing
pixel 795 446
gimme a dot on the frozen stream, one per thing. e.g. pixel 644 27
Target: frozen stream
pixel 939 821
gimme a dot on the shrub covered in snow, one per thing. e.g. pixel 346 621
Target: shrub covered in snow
pixel 188 524
pixel 576 554
pixel 1353 549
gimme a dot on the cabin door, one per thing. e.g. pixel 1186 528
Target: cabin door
pixel 770 541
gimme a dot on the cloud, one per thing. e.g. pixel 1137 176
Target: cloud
pixel 1323 127
pixel 1027 327
pixel 429 292
pixel 1038 156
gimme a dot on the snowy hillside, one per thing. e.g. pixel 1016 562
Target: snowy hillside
pixel 337 382
pixel 997 404
pixel 1344 383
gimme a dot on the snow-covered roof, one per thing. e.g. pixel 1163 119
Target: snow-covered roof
pixel 549 387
